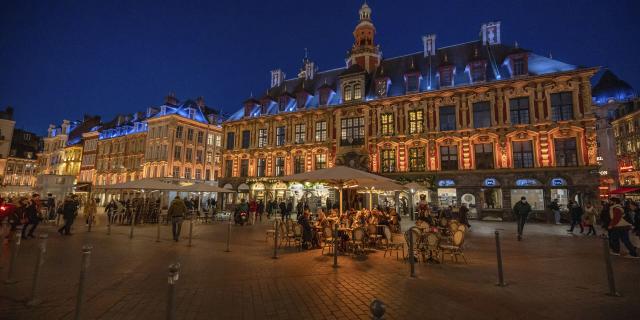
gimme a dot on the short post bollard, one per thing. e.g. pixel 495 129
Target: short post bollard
pixel 14 255
pixel 174 274
pixel 34 301
pixel 190 230
pixel 90 222
pixel 86 255
pixel 228 234
pixel 133 222
pixel 335 245
pixel 109 224
pixel 607 260
pixel 377 309
pixel 501 282
pixel 158 230
pixel 275 242
pixel 411 257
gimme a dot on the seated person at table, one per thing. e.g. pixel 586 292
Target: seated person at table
pixel 323 221
pixel 307 233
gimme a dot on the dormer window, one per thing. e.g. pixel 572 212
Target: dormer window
pixel 446 76
pixel 191 113
pixel 477 71
pixel 519 64
pixel 325 95
pixel 348 93
pixel 163 110
pixel 413 82
pixel 357 91
pixel 381 87
pixel 301 99
pixel 283 101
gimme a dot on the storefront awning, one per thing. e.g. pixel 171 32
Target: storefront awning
pixel 624 190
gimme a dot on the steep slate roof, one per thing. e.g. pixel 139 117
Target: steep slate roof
pixel 78 128
pixel 611 87
pixel 396 68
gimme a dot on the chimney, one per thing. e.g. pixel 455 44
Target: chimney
pixel 429 42
pixel 490 32
pixel 171 99
pixel 277 77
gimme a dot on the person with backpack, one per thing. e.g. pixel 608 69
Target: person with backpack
pixel 620 225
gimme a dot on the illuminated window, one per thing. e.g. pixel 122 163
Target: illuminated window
pixel 357 91
pixel 280 136
pixel 187 173
pixel 348 93
pixel 566 152
pixel 298 164
pixel 449 157
pixel 447 118
pixel 244 168
pixel 387 126
pixel 179 132
pixel 416 159
pixel 177 153
pixel 300 130
pixel 321 161
pixel 562 106
pixel 262 138
pixel 522 154
pixel 519 110
pixel 481 115
pixel 261 167
pixel 484 155
pixel 416 121
pixel 388 160
pixel 321 131
pixel 280 166
pixel 352 131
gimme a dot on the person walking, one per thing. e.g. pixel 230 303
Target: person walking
pixel 260 211
pixel 253 208
pixel 289 209
pixel 521 211
pixel 176 213
pixel 576 216
pixel 31 211
pixel 51 207
pixel 69 212
pixel 620 228
pixel 90 210
pixel 555 209
pixel 464 215
pixel 589 219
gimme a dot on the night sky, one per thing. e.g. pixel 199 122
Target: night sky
pixel 62 59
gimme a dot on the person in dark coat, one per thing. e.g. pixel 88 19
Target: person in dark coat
pixel 576 216
pixel 307 233
pixel 289 209
pixel 260 210
pixel 521 212
pixel 283 209
pixel 69 213
pixel 33 219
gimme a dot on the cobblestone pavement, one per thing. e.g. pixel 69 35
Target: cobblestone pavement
pixel 550 275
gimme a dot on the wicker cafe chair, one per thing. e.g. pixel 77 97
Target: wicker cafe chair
pixel 372 234
pixel 357 240
pixel 417 241
pixel 392 243
pixel 453 226
pixel 327 239
pixel 432 245
pixel 454 249
pixel 283 235
pixel 462 228
pixel 297 236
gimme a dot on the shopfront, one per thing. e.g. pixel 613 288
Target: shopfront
pixel 558 190
pixel 258 191
pixel 532 190
pixel 447 193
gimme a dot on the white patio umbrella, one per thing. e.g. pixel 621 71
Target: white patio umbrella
pixel 143 184
pixel 202 188
pixel 340 177
pixel 372 187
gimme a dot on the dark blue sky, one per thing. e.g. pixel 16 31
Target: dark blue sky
pixel 61 59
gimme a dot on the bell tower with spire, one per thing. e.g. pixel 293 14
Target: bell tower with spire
pixel 364 51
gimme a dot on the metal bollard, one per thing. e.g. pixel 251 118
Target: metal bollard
pixel 501 282
pixel 12 262
pixel 109 218
pixel 86 254
pixel 275 242
pixel 90 222
pixel 377 309
pixel 133 222
pixel 34 301
pixel 174 274
pixel 228 234
pixel 411 257
pixel 158 230
pixel 335 245
pixel 190 230
pixel 607 260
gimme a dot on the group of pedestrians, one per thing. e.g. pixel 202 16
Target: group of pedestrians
pixel 24 212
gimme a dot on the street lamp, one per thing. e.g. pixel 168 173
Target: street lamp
pixel 412 205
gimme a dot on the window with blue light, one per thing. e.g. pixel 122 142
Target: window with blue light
pixel 477 72
pixel 447 118
pixel 519 67
pixel 446 77
pixel 413 83
pixel 562 106
pixel 527 183
pixel 481 114
pixel 519 110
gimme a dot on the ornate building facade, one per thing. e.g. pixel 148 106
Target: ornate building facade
pixel 21 169
pixel 626 129
pixel 483 122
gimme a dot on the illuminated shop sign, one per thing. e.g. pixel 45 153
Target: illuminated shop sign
pixel 527 182
pixel 557 182
pixel 490 182
pixel 446 183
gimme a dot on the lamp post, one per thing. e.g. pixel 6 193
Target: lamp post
pixel 412 205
